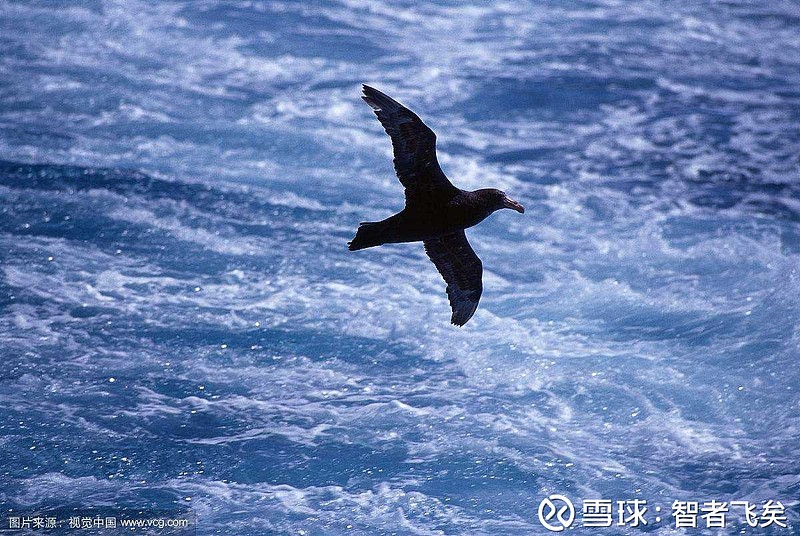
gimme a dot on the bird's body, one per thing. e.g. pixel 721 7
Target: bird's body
pixel 461 211
pixel 436 212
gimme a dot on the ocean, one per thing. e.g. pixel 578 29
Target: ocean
pixel 184 332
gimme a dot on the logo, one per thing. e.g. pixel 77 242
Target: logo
pixel 564 515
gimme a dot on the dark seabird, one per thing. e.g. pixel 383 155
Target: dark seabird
pixel 436 212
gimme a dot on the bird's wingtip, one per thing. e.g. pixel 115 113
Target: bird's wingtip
pixel 459 321
pixel 369 99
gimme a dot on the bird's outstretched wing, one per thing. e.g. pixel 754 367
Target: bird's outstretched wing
pixel 414 147
pixel 462 271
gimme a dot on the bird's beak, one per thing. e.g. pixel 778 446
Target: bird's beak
pixel 513 205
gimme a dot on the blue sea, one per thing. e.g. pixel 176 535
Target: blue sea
pixel 183 329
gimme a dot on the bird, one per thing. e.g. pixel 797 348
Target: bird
pixel 436 212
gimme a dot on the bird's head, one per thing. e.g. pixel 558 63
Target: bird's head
pixel 498 199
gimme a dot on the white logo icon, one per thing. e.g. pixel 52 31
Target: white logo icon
pixel 565 515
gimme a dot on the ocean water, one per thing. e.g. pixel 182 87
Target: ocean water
pixel 183 327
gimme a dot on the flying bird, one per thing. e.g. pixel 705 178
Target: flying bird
pixel 436 212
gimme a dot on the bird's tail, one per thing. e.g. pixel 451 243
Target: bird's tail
pixel 371 233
